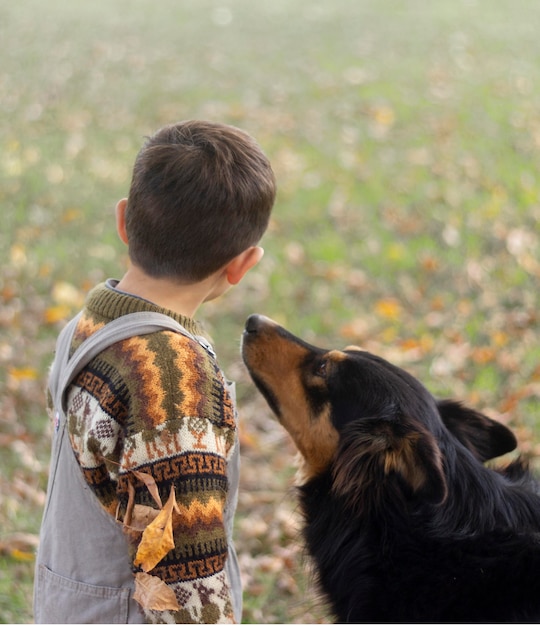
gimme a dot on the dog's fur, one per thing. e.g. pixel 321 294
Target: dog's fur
pixel 403 520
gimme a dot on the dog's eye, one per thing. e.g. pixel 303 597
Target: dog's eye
pixel 320 370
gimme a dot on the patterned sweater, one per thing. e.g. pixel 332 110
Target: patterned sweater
pixel 158 403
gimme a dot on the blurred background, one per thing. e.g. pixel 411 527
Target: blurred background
pixel 405 137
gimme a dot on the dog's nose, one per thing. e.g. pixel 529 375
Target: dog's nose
pixel 253 323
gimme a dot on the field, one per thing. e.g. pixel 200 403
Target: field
pixel 405 138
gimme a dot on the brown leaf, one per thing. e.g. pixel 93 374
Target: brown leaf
pixel 153 594
pixel 142 517
pixel 130 504
pixel 157 539
pixel 150 483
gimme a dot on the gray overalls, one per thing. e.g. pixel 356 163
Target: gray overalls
pixel 94 583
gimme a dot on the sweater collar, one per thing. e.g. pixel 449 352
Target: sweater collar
pixel 108 302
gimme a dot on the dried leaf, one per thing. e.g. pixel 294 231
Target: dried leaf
pixel 150 483
pixel 142 517
pixel 153 594
pixel 157 539
pixel 130 504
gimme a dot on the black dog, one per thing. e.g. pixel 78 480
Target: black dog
pixel 403 521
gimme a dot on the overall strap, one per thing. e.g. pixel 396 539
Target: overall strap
pixel 142 323
pixel 64 370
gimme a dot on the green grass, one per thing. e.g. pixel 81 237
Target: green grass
pixel 406 141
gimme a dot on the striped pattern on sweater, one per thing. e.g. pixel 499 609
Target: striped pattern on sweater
pixel 158 403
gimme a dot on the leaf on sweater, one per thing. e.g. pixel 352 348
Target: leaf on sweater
pixel 130 504
pixel 142 517
pixel 150 483
pixel 157 539
pixel 153 594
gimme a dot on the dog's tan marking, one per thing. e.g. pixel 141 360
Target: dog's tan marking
pixel 377 453
pixel 418 460
pixel 277 363
pixel 336 355
pixel 313 435
pixel 317 443
pixel 402 460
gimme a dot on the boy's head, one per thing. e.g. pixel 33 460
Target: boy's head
pixel 201 193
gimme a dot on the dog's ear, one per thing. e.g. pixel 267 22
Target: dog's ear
pixel 484 437
pixel 373 452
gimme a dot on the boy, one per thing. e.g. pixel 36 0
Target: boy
pixel 199 202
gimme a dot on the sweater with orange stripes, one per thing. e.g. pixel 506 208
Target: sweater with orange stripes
pixel 159 404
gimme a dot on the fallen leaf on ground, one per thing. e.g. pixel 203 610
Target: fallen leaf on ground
pixel 20 546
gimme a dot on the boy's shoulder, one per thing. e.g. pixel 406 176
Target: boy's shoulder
pixel 163 349
pixel 158 378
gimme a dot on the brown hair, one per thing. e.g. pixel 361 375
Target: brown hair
pixel 201 193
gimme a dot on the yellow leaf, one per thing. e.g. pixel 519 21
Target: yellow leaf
pixel 23 373
pixel 19 555
pixel 157 539
pixel 153 594
pixel 388 308
pixel 500 338
pixel 57 313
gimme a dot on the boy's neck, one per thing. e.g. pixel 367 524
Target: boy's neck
pixel 183 299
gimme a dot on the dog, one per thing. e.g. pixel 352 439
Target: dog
pixel 402 519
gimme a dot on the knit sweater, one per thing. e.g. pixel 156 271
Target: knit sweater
pixel 158 403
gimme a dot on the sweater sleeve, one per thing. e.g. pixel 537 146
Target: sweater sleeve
pixel 158 404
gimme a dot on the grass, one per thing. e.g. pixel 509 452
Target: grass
pixel 406 142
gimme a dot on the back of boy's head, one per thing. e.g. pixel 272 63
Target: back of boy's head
pixel 201 194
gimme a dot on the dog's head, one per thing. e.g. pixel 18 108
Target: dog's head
pixel 383 421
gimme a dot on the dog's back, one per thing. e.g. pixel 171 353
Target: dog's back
pixel 407 562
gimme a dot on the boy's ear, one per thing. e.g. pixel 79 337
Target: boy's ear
pixel 484 437
pixel 241 264
pixel 121 219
